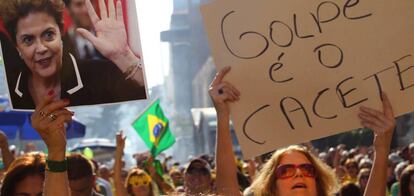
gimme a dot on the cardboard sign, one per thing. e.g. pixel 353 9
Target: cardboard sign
pixel 305 67
pixel 99 68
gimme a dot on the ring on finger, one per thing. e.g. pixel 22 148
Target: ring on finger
pixel 52 117
pixel 42 114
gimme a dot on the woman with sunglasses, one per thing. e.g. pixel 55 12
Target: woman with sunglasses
pixel 293 170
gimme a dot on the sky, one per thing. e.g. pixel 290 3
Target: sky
pixel 154 17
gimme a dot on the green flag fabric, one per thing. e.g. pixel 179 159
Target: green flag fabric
pixel 153 127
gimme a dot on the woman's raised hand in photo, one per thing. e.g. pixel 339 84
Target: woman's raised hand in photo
pixel 111 36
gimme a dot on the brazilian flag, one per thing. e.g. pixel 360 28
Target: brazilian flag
pixel 153 127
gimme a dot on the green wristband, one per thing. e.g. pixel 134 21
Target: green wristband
pixel 56 166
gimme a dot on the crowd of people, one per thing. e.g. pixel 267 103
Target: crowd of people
pixel 295 170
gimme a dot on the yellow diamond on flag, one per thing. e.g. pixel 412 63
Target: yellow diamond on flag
pixel 156 128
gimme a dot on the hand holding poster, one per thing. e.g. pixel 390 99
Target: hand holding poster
pixel 91 63
pixel 305 67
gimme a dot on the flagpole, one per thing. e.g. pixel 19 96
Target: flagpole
pixel 146 109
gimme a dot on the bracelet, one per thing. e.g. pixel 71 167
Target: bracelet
pixel 132 69
pixel 57 166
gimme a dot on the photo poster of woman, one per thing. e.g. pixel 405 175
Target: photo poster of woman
pixel 86 51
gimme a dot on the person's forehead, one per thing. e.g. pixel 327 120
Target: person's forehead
pixel 30 184
pixel 35 22
pixel 293 157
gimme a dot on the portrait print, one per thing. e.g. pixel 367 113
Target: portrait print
pixel 77 50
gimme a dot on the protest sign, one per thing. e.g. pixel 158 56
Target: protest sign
pixel 79 51
pixel 305 67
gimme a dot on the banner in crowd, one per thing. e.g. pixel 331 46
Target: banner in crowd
pixel 305 67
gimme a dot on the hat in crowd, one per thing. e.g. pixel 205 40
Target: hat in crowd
pixel 365 163
pixel 399 168
pixel 395 158
pixel 197 164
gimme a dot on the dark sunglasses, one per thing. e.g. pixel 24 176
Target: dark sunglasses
pixel 289 170
pixel 195 170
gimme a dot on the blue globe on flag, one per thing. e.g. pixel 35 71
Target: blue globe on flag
pixel 157 130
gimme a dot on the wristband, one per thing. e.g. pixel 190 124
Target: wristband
pixel 56 166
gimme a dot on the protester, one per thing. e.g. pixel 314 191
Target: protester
pixel 36 29
pixel 352 169
pixel 363 178
pixel 407 181
pixel 197 178
pixel 177 177
pixel 365 163
pixel 290 170
pixel 138 181
pixel 25 176
pixel 105 172
pixel 53 133
pixel 411 153
pixel 395 188
pixel 81 175
pixel 350 189
pixel 103 179
pixel 281 168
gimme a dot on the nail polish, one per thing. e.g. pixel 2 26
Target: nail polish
pixel 67 101
pixel 51 92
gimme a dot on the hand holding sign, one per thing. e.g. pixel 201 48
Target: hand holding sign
pixel 222 92
pixel 48 120
pixel 382 123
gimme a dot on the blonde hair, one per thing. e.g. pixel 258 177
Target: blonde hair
pixel 265 183
pixel 154 189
